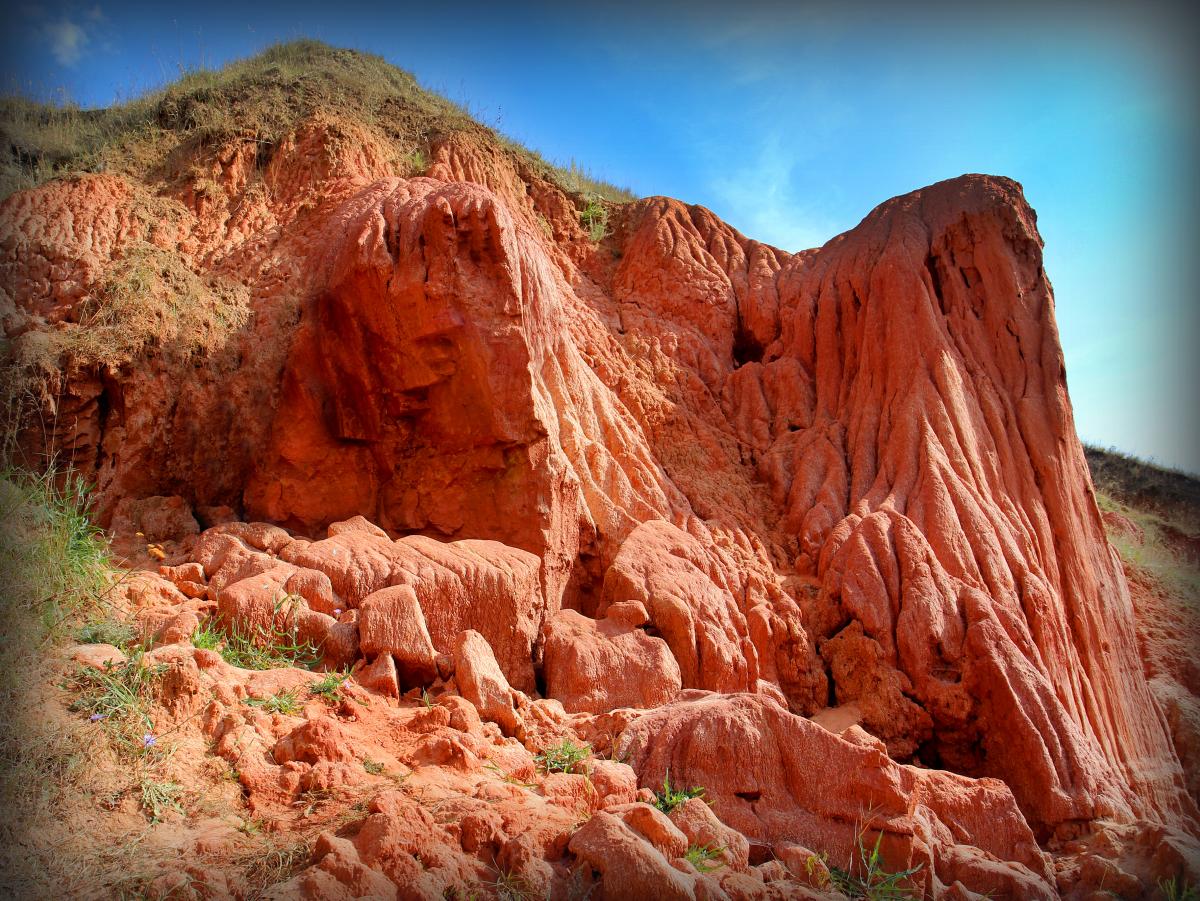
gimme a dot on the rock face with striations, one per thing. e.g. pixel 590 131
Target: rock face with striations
pixel 847 477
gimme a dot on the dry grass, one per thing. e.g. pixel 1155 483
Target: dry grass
pixel 578 179
pixel 266 96
pixel 53 571
pixel 148 300
pixel 47 140
pixel 274 861
pixel 1164 504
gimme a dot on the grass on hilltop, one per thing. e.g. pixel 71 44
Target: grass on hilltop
pixel 149 300
pixel 1169 494
pixel 266 96
pixel 1164 504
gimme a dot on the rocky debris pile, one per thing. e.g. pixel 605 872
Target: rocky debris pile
pixel 475 786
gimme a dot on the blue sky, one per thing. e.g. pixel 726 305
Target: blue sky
pixel 792 121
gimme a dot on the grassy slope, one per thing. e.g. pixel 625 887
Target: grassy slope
pixel 53 571
pixel 267 95
pixel 81 792
pixel 1172 495
pixel 1164 505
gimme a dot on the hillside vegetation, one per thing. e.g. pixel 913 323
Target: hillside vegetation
pixel 1160 508
pixel 54 576
pixel 267 96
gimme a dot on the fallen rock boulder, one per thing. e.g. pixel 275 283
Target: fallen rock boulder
pixel 390 622
pixel 482 683
pixel 796 782
pixel 596 665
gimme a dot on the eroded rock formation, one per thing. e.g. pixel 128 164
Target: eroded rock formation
pixel 842 484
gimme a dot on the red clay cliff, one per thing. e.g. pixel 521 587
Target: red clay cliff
pixel 812 530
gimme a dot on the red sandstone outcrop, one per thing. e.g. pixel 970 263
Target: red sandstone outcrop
pixel 412 596
pixel 774 783
pixel 843 478
pixel 596 665
pixel 795 782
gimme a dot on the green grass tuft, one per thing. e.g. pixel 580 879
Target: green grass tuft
pixel 330 686
pixel 53 560
pixel 256 649
pixel 594 217
pixel 208 637
pixel 671 797
pixel 702 857
pixel 285 702
pixel 106 631
pixel 416 162
pixel 867 878
pixel 563 758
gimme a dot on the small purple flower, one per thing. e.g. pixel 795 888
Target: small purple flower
pixel 97 717
pixel 148 739
pixel 337 611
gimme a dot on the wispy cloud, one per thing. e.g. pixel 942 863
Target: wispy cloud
pixel 67 41
pixel 762 200
pixel 68 33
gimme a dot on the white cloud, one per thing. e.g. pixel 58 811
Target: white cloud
pixel 67 41
pixel 759 199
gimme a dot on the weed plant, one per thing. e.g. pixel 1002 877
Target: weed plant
pixel 868 879
pixel 702 857
pixel 671 797
pixel 563 758
pixel 157 797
